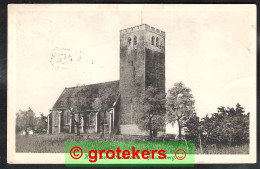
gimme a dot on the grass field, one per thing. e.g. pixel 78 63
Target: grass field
pixel 224 149
pixel 56 143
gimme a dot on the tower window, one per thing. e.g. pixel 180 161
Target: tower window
pixel 135 40
pixel 129 41
pixel 157 42
pixel 153 40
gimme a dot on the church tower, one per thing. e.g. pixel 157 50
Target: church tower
pixel 142 64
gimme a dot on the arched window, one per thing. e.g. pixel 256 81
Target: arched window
pixel 129 41
pixel 152 40
pixel 67 115
pixel 135 40
pixel 157 42
pixel 91 119
pixel 106 117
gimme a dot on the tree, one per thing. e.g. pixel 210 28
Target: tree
pixel 25 120
pixel 104 101
pixel 192 126
pixel 234 125
pixel 207 128
pixel 41 123
pixel 179 104
pixel 227 126
pixel 240 121
pixel 151 111
pixel 81 103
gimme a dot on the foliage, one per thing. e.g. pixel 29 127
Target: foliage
pixel 25 120
pixel 81 102
pixel 192 128
pixel 104 101
pixel 179 105
pixel 227 126
pixel 151 111
pixel 41 123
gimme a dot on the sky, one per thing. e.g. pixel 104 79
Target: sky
pixel 210 48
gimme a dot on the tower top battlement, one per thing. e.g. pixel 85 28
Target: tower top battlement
pixel 142 27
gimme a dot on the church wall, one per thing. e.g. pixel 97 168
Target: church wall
pixel 50 123
pixel 155 70
pixel 155 58
pixel 65 121
pixel 91 129
pixel 117 116
pixel 100 122
pixel 90 122
pixel 55 122
pixel 77 118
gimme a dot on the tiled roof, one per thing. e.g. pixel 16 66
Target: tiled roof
pixel 80 98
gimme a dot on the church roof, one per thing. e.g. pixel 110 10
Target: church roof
pixel 80 98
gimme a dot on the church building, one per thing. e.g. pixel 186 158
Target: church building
pixel 142 64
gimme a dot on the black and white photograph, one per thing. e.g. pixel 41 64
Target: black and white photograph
pixel 115 72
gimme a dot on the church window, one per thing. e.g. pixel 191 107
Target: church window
pixel 129 41
pixel 56 119
pixel 153 40
pixel 67 117
pixel 135 40
pixel 157 42
pixel 92 119
pixel 106 118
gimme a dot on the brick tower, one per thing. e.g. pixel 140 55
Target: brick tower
pixel 142 64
